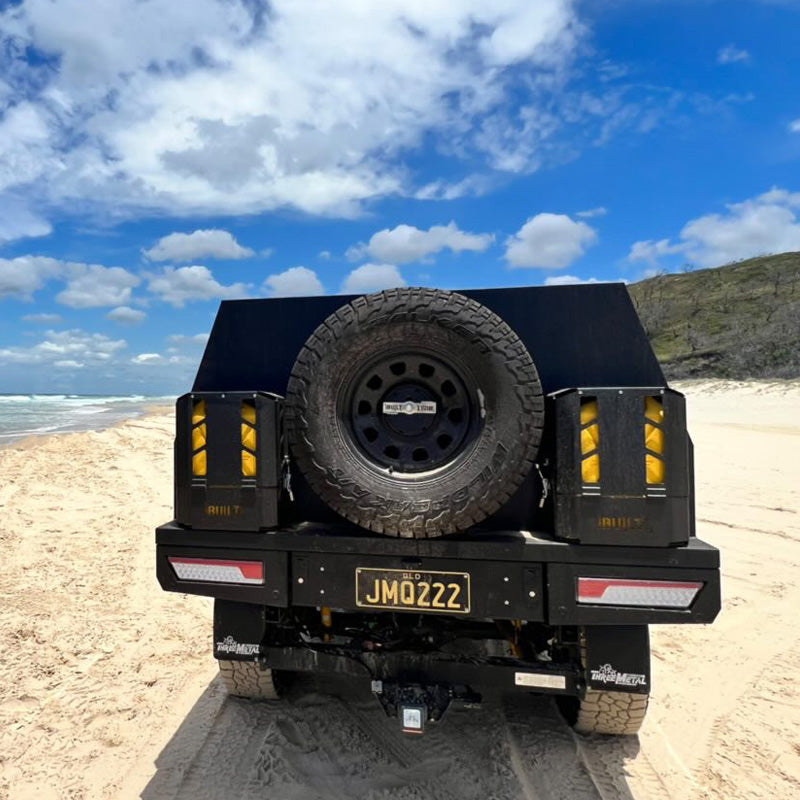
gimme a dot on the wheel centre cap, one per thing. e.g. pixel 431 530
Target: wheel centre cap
pixel 409 409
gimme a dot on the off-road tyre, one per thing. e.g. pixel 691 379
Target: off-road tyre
pixel 609 713
pixel 484 366
pixel 612 713
pixel 247 679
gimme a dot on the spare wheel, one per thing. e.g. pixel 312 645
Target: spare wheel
pixel 414 412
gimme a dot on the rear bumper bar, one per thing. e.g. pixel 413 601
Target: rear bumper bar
pixel 513 575
pixel 431 668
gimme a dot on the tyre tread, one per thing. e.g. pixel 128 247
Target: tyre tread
pixel 611 713
pixel 247 679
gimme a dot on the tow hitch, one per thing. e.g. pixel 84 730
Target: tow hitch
pixel 417 705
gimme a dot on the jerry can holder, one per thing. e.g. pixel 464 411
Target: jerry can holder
pixel 229 454
pixel 623 470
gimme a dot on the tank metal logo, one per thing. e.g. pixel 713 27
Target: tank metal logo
pixel 607 674
pixel 230 645
pixel 410 407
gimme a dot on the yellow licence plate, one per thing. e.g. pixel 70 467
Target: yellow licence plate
pixel 407 590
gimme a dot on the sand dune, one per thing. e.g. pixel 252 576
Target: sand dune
pixel 107 684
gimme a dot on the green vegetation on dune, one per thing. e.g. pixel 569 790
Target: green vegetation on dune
pixel 738 321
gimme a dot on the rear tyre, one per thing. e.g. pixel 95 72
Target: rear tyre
pixel 247 679
pixel 611 713
pixel 414 412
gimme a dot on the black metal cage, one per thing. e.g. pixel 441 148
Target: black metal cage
pixel 228 460
pixel 623 472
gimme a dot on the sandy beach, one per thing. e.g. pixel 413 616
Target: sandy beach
pixel 108 690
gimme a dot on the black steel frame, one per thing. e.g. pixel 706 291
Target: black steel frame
pixel 506 567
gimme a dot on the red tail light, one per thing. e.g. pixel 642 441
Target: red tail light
pixel 218 570
pixel 626 592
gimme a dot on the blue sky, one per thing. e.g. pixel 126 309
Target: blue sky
pixel 157 156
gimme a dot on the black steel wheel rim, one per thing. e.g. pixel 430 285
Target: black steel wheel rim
pixel 411 412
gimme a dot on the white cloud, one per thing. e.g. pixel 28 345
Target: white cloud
pixel 26 150
pixel 70 345
pixel 227 107
pixel 406 243
pixel 87 285
pixel 147 358
pixel 92 285
pixel 20 277
pixel 181 285
pixel 568 280
pixel 794 126
pixel 210 243
pixel 46 319
pixel 767 223
pixel 159 364
pixel 471 186
pixel 69 364
pixel 590 213
pixel 731 54
pixel 651 251
pixel 549 241
pixel 182 339
pixel 18 222
pixel 294 282
pixel 126 315
pixel 372 278
pixel 181 360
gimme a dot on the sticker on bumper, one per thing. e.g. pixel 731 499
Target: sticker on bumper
pixel 540 681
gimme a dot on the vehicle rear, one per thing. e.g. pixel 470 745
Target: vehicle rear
pixel 446 494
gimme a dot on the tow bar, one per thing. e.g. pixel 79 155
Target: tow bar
pixel 417 705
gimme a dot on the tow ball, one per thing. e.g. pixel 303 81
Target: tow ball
pixel 417 705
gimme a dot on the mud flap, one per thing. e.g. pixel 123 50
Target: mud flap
pixel 617 658
pixel 239 630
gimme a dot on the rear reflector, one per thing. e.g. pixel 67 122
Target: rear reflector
pixel 218 570
pixel 622 592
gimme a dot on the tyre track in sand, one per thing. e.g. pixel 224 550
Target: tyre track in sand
pixel 329 738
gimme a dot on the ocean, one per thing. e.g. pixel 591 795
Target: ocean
pixel 23 415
